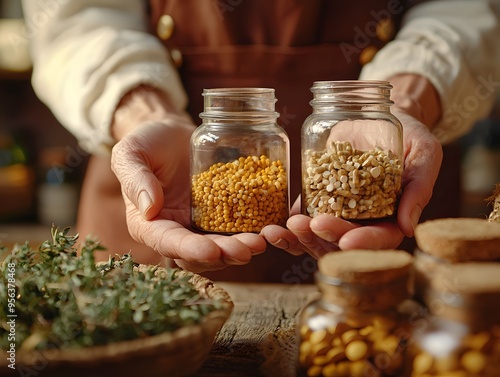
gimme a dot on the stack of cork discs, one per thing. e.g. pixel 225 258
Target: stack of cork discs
pixel 457 278
pixel 443 243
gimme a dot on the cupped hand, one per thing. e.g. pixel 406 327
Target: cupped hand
pixel 152 164
pixel 325 233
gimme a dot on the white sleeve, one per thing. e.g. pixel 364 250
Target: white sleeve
pixel 455 44
pixel 87 55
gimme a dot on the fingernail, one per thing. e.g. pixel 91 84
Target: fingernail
pixel 145 203
pixel 328 236
pixel 256 252
pixel 233 261
pixel 282 244
pixel 305 237
pixel 415 216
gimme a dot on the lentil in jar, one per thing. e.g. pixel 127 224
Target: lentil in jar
pixel 240 196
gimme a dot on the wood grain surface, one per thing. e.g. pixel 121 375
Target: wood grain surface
pixel 259 337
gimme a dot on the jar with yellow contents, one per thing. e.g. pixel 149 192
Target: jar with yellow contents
pixel 460 335
pixel 358 326
pixel 239 163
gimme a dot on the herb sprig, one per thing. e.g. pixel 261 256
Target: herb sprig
pixel 65 300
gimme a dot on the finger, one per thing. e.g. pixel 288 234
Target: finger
pixel 239 248
pixel 138 182
pixel 316 246
pixel 173 241
pixel 282 238
pixel 384 235
pixel 331 228
pixel 422 164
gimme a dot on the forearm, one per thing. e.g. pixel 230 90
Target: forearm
pixel 453 45
pixel 142 104
pixel 88 56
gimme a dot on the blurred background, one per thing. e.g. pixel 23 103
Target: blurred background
pixel 42 167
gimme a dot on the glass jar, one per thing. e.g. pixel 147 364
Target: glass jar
pixel 352 151
pixel 460 334
pixel 357 327
pixel 239 163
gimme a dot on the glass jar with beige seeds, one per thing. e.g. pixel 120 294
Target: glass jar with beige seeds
pixel 352 151
pixel 357 327
pixel 239 163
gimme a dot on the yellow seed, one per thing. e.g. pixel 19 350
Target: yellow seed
pixel 422 363
pixel 350 335
pixel 335 354
pixel 358 369
pixel 473 361
pixel 317 336
pixel 314 371
pixel 356 350
pixel 330 370
pixel 479 341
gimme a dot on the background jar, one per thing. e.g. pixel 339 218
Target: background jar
pixel 239 162
pixel 443 243
pixel 352 151
pixel 357 327
pixel 460 333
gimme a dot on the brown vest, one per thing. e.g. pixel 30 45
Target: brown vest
pixel 281 44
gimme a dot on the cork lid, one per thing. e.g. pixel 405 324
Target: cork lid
pixel 469 279
pixel 460 239
pixel 366 266
pixel 468 292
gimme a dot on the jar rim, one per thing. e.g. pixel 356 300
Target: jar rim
pixel 382 84
pixel 235 91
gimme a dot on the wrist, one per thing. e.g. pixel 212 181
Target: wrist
pixel 140 105
pixel 416 96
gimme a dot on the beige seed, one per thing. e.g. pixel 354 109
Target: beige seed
pixel 375 172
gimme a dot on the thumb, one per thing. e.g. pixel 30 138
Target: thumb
pixel 138 182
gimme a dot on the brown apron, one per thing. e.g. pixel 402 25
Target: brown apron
pixel 281 44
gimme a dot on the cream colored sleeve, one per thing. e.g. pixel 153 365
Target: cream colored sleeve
pixel 86 55
pixel 455 44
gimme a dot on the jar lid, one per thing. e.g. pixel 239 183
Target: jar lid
pixel 366 266
pixel 373 280
pixel 460 239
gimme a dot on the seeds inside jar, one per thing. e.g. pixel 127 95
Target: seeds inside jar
pixel 240 196
pixel 351 183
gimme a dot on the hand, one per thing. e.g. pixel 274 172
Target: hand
pixel 151 161
pixel 326 233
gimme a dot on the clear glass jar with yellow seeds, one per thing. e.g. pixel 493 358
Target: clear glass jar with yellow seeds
pixel 357 327
pixel 352 151
pixel 239 163
pixel 459 334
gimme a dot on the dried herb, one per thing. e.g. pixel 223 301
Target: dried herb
pixel 495 200
pixel 66 300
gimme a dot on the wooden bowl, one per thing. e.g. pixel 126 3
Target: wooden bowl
pixel 178 353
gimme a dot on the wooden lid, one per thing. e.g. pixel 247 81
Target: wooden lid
pixel 366 266
pixel 460 239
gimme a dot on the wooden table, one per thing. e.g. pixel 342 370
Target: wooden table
pixel 259 337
